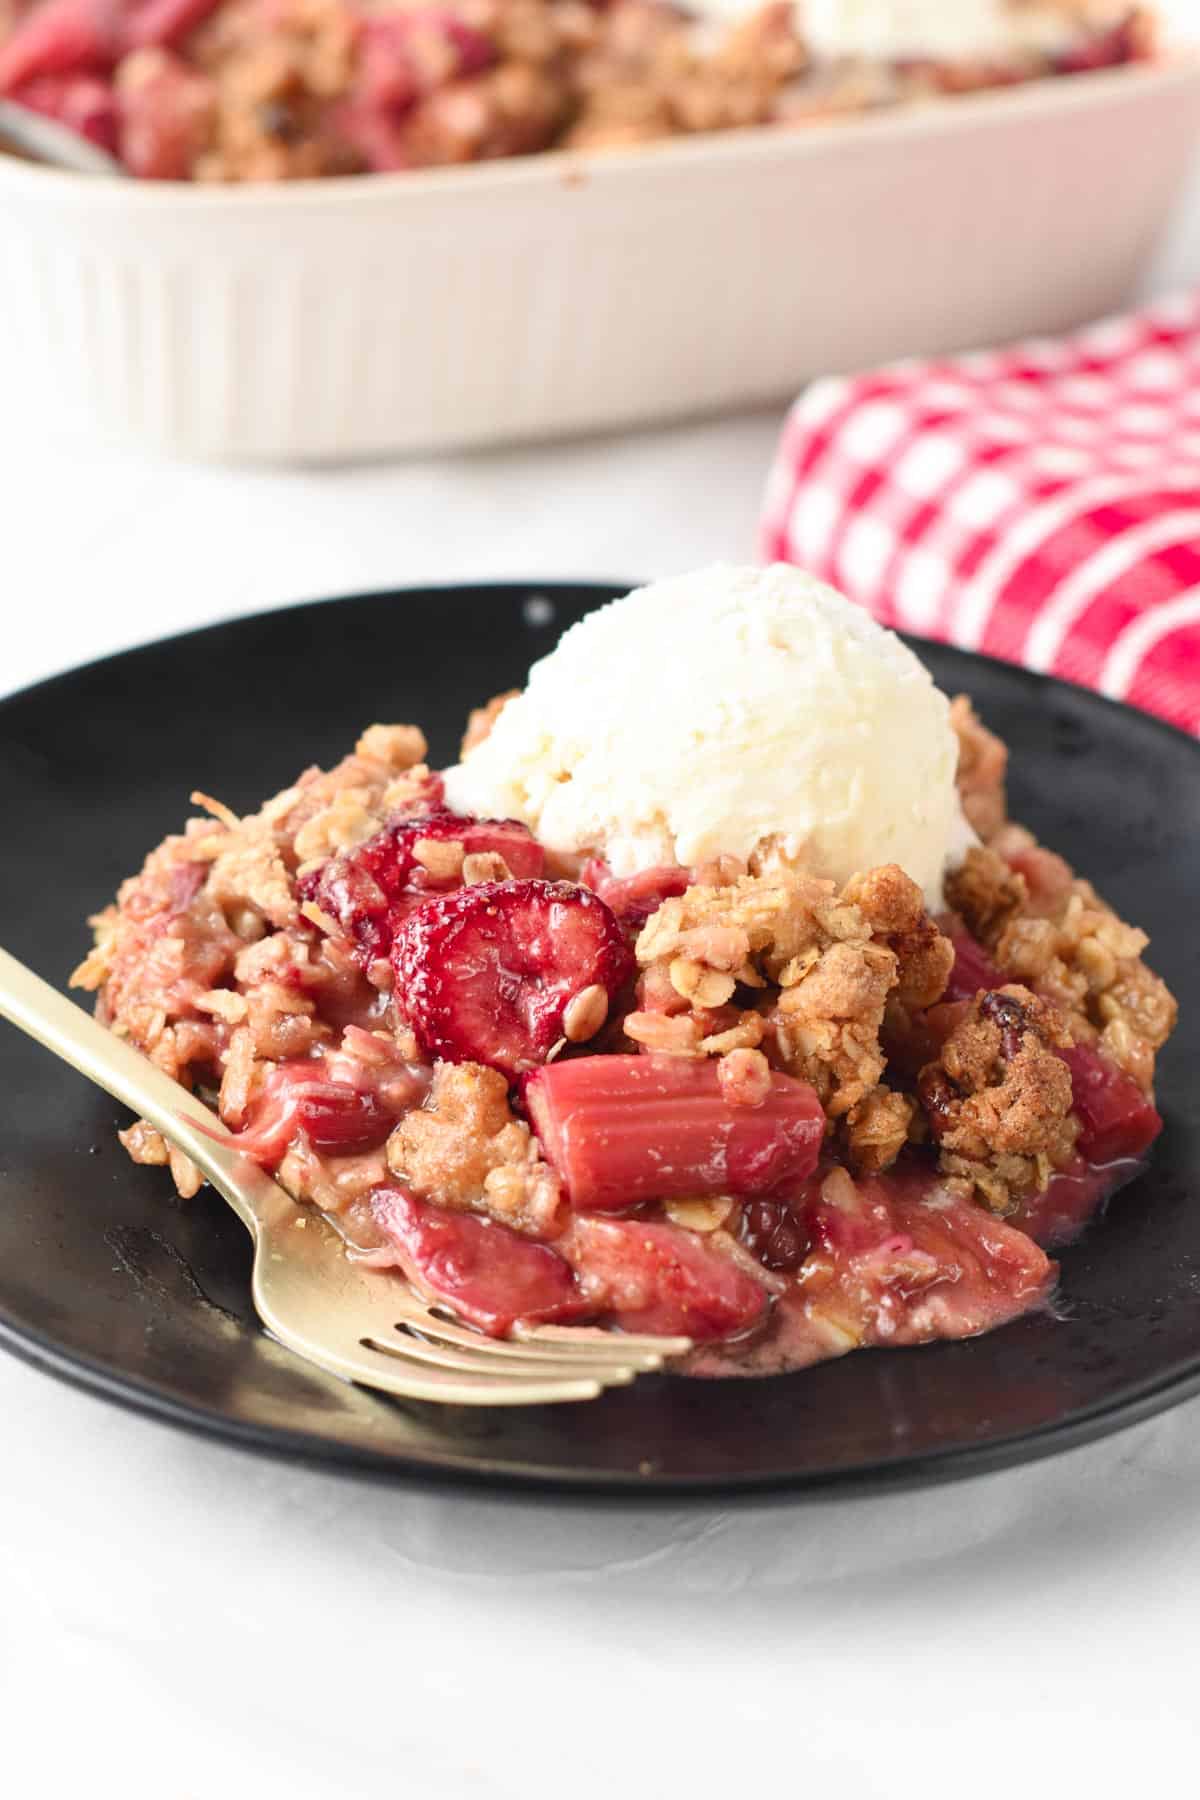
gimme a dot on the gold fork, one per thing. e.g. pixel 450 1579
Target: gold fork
pixel 362 1324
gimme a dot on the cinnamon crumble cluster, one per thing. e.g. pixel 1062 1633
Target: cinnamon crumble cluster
pixel 998 1099
pixel 467 1149
pixel 1047 928
pixel 818 970
pixel 818 965
pixel 208 961
pixel 812 981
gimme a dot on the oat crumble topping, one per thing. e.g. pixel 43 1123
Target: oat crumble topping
pixel 279 90
pixel 229 963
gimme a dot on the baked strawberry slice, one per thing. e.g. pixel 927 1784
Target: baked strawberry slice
pixel 633 898
pixel 624 1129
pixel 367 889
pixel 506 838
pixel 489 1276
pixel 1118 1121
pixel 336 1118
pixel 485 974
pixel 658 1278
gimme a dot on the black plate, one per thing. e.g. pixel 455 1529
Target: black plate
pixel 109 1281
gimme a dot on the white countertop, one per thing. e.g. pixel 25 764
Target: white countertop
pixel 180 1621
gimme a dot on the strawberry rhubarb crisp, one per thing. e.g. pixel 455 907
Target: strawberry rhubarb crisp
pixel 764 1026
pixel 273 90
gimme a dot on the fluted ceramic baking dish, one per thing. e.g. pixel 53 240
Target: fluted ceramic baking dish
pixel 567 293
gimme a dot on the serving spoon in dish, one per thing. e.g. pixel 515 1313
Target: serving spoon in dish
pixel 42 140
pixel 355 1322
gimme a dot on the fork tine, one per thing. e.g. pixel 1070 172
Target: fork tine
pixel 375 1366
pixel 341 1323
pixel 612 1351
pixel 309 1294
pixel 594 1335
pixel 481 1359
pixel 347 1318
pixel 397 1374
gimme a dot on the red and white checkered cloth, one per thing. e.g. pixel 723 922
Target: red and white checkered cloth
pixel 1040 504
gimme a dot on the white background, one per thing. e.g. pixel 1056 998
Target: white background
pixel 180 1622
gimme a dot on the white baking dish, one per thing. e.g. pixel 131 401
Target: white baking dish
pixel 568 293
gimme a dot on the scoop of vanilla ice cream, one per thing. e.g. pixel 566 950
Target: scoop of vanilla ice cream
pixel 709 712
pixel 891 29
pixel 944 30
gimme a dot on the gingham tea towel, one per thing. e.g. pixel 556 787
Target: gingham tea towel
pixel 1040 503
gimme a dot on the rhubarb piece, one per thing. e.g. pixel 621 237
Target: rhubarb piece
pixel 913 1039
pixel 368 889
pixel 337 1119
pixel 183 884
pixel 83 103
pixel 343 1121
pixel 624 1129
pixel 1108 49
pixel 61 37
pixel 376 135
pixel 407 54
pixel 485 1272
pixel 150 24
pixel 902 1259
pixel 1117 1118
pixel 405 57
pixel 72 37
pixel 973 971
pixel 387 77
pixel 166 115
pixel 658 1278
pixel 633 898
pixel 486 974
pixel 981 1270
pixel 1074 1196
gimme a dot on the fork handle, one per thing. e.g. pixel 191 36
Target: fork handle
pixel 114 1065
